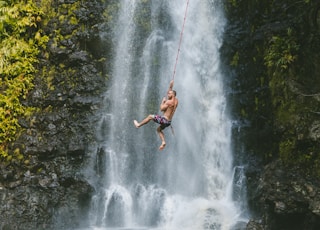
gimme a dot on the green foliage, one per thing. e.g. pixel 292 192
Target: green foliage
pixel 21 41
pixel 233 3
pixel 281 51
pixel 304 157
pixel 235 59
pixel 109 12
pixel 280 48
pixel 67 13
pixel 286 148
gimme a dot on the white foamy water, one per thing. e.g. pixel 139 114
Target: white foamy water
pixel 189 185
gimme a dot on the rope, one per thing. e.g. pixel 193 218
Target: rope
pixel 181 34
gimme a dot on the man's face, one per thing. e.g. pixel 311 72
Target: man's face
pixel 170 94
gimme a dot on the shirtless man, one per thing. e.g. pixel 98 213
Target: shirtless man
pixel 168 107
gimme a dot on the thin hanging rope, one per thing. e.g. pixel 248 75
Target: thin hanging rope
pixel 181 34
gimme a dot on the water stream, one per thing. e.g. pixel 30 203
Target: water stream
pixel 190 184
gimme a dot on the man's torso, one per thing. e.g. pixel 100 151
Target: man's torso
pixel 172 105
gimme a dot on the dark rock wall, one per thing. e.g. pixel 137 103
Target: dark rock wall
pixel 47 190
pixel 274 108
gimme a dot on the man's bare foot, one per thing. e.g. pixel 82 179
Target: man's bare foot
pixel 162 146
pixel 136 124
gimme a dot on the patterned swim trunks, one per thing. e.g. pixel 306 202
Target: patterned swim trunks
pixel 164 123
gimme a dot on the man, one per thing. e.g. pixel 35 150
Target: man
pixel 168 107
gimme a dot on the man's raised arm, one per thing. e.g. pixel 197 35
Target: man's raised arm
pixel 170 86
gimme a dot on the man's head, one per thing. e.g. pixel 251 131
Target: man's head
pixel 171 93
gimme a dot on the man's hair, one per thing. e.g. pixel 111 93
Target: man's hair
pixel 174 92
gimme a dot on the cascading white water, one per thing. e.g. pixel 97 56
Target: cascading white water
pixel 189 184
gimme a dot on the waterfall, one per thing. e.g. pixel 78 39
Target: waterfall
pixel 188 185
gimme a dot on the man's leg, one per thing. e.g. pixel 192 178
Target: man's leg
pixel 161 135
pixel 143 122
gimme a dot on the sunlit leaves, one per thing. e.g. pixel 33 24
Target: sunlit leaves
pixel 281 51
pixel 20 43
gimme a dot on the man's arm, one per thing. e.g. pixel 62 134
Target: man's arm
pixel 170 86
pixel 163 105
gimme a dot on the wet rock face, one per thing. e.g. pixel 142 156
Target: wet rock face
pixel 46 190
pixel 279 197
pixel 288 199
pixel 43 201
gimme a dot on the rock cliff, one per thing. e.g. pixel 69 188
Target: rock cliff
pixel 270 52
pixel 47 189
